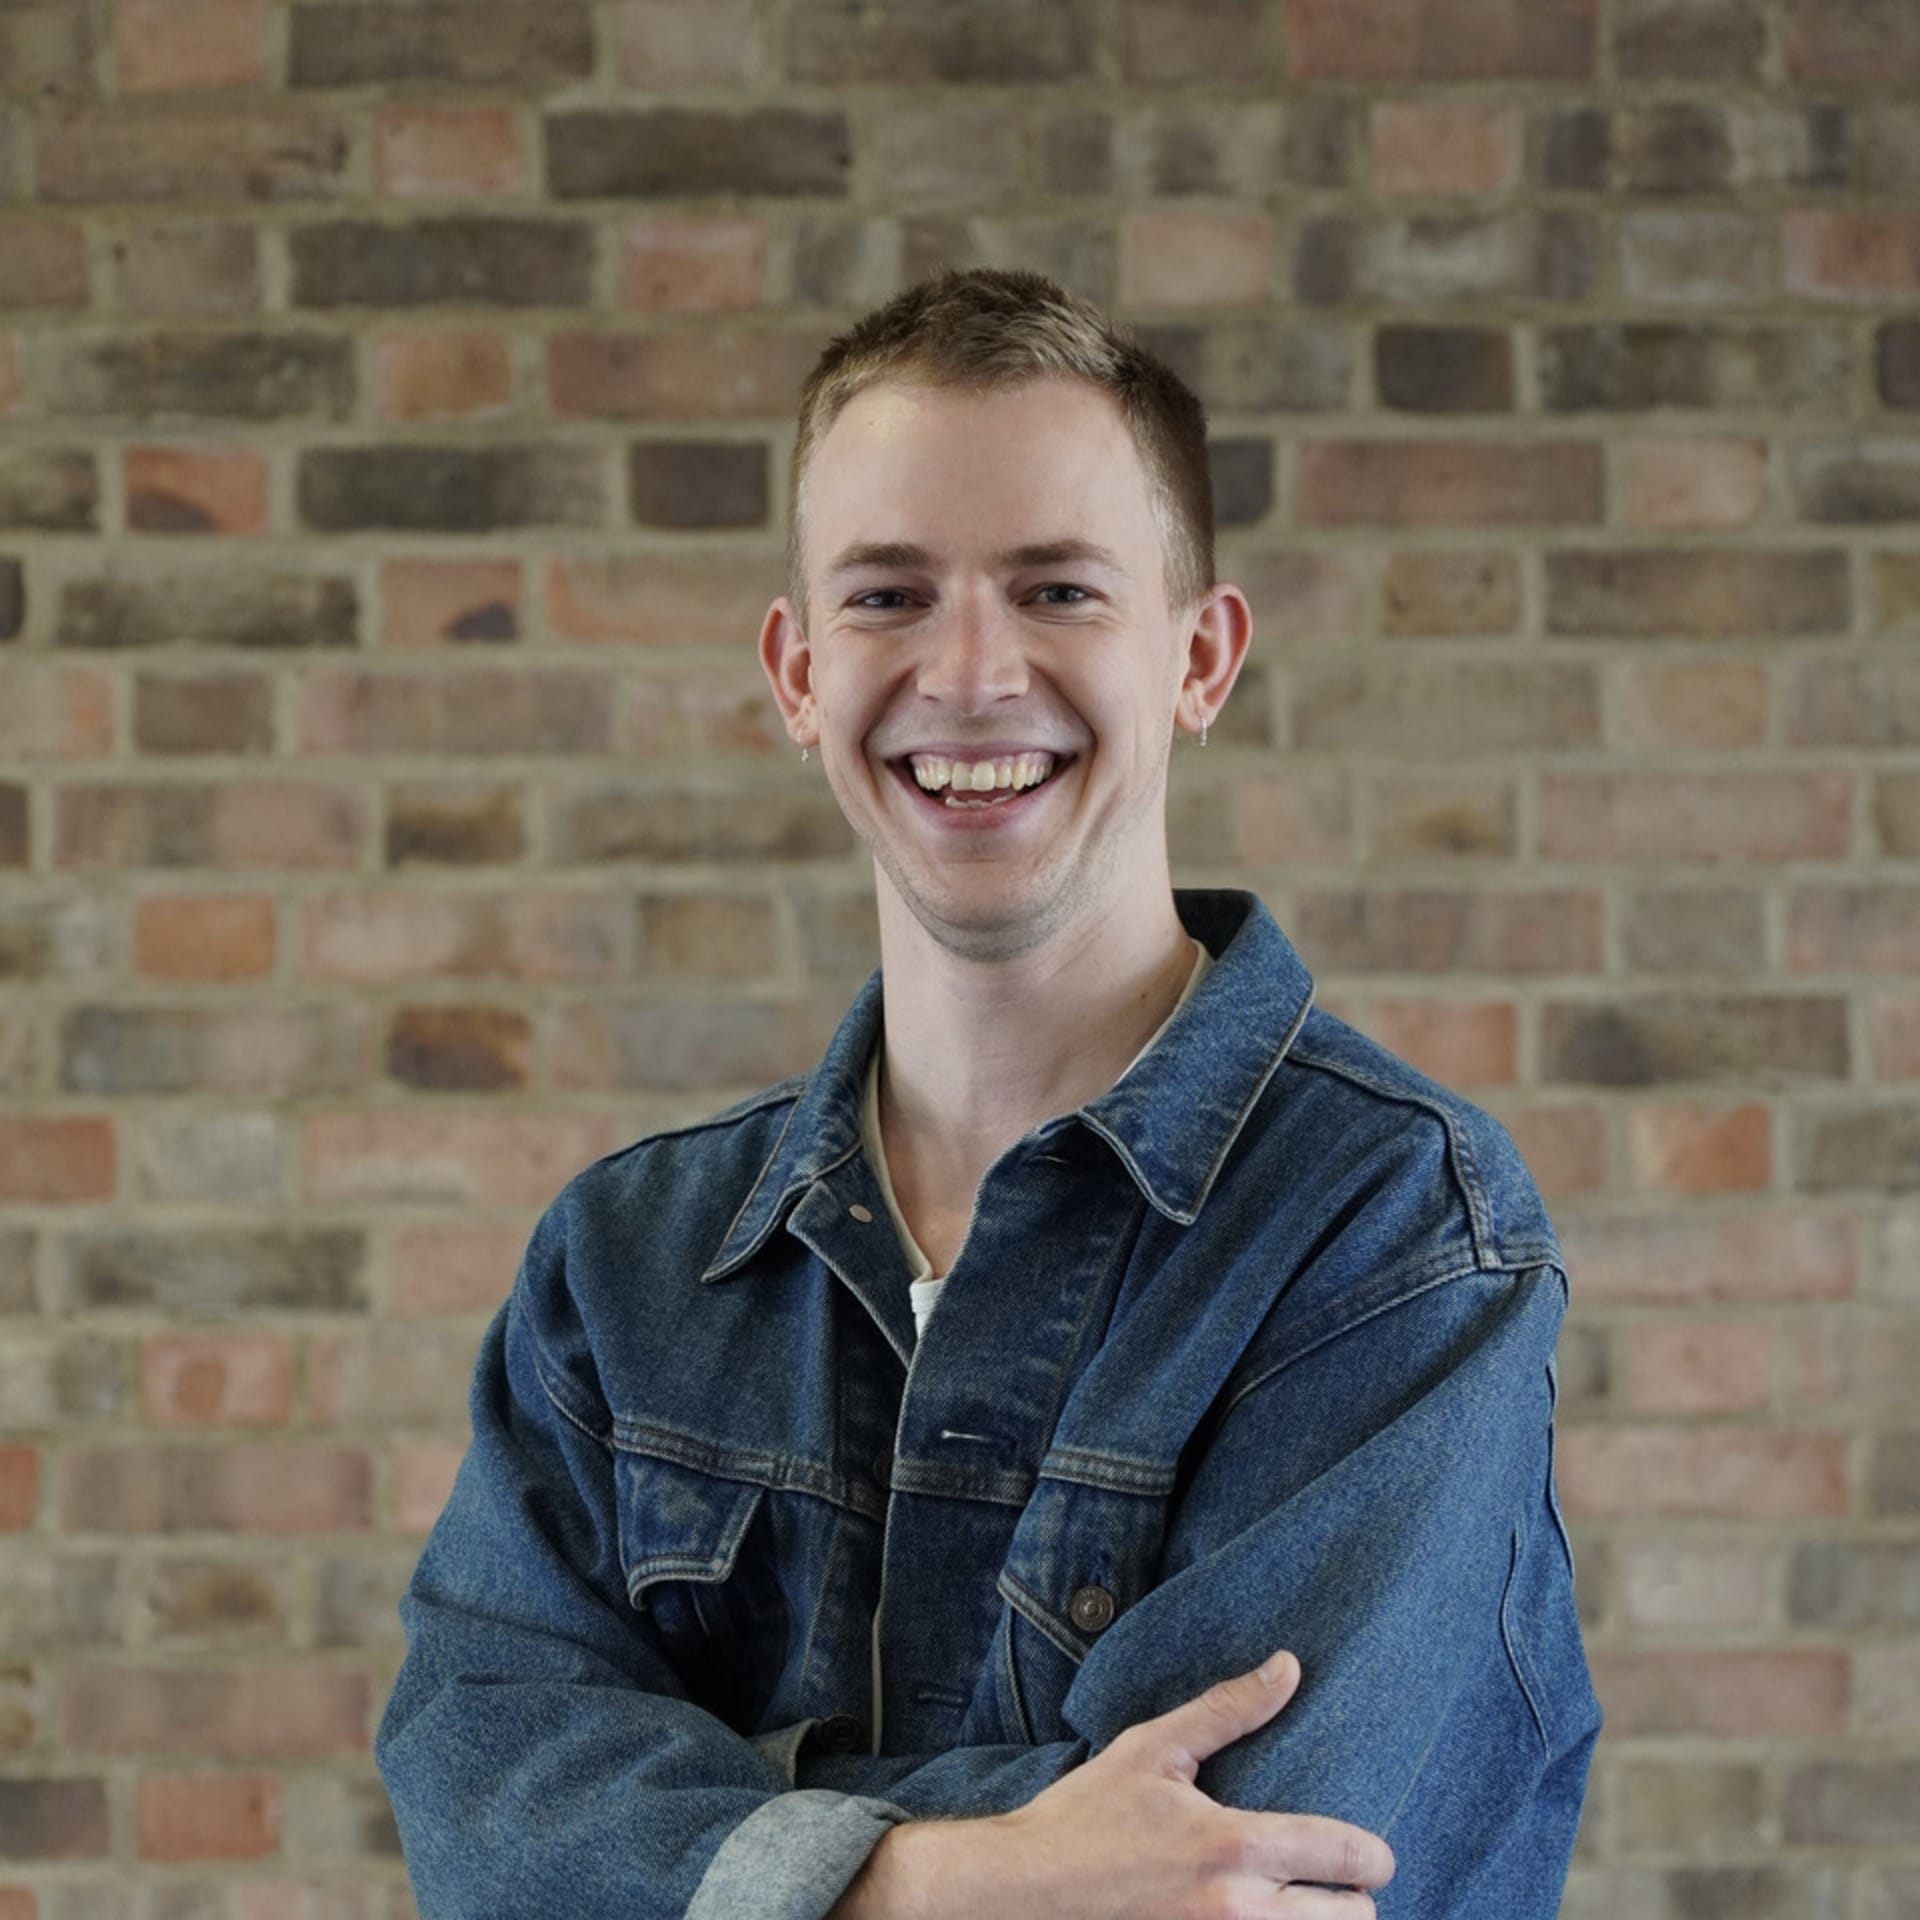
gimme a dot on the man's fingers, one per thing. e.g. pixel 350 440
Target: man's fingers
pixel 1322 1903
pixel 1223 1714
pixel 1310 1847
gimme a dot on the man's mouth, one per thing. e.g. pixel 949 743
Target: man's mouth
pixel 989 782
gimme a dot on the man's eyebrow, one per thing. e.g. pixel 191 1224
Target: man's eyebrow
pixel 908 553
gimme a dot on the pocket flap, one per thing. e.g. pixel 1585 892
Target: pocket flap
pixel 677 1523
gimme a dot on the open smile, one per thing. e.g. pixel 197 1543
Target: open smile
pixel 983 792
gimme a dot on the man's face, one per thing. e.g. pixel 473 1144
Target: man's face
pixel 961 650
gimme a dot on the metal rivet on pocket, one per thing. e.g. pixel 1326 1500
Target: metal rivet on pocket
pixel 863 1214
pixel 1091 1609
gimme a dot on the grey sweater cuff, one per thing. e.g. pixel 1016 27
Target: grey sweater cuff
pixel 793 1857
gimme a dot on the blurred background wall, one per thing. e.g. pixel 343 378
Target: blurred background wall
pixel 393 402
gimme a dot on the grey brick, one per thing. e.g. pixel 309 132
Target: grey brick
pixel 471 44
pixel 198 1272
pixel 203 376
pixel 1656 1038
pixel 672 151
pixel 416 489
pixel 229 604
pixel 49 490
pixel 467 260
pixel 1846 1585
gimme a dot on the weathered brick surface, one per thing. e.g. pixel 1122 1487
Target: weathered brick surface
pixel 1562 374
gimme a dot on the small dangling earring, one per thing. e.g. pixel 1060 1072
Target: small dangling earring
pixel 1203 729
pixel 803 756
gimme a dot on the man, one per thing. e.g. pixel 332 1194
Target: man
pixel 882 1494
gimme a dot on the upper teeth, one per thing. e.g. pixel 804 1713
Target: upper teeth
pixel 979 776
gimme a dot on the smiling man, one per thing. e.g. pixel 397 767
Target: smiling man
pixel 886 1495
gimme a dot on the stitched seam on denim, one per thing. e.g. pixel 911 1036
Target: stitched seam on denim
pixel 787 1089
pixel 1313 1337
pixel 1465 1169
pixel 759 1180
pixel 775 1471
pixel 554 1399
pixel 1039 1615
pixel 1010 1679
pixel 1528 1682
pixel 1006 1487
pixel 709 1567
pixel 1233 1133
pixel 1110 1472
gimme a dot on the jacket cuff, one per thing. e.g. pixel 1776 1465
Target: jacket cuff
pixel 793 1856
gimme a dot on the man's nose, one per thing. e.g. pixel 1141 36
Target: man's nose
pixel 976 654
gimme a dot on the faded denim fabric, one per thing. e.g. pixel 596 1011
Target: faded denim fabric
pixel 1259 1344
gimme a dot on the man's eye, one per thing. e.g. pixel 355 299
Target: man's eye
pixel 1066 586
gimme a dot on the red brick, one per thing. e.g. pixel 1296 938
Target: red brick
pixel 1696 816
pixel 1699 1148
pixel 459 1049
pixel 1465 930
pixel 1685 1259
pixel 1698 592
pixel 255 152
pixel 204 936
pixel 713 373
pixel 1461 1043
pixel 288 1710
pixel 1445 594
pixel 1703 1366
pixel 56 1158
pixel 216 1379
pixel 450 1157
pixel 208 1816
pixel 1855 929
pixel 235 824
pixel 1444 146
pixel 696 710
pixel 19 1487
pixel 1424 816
pixel 660 45
pixel 1709 482
pixel 1701 1472
pixel 676 263
pixel 1565 1147
pixel 1872 41
pixel 1851 253
pixel 423 1472
pixel 443 376
pixel 46 264
pixel 1446 483
pixel 428 152
pixel 454 1266
pixel 200 268
pixel 413 936
pixel 1440 39
pixel 1306 596
pixel 436 603
pixel 662 599
pixel 472 710
pixel 196 490
pixel 276 1487
pixel 52 712
pixel 165 44
pixel 1175 257
pixel 1725 1696
pixel 1300 816
pixel 1693 703
pixel 1894 1037
pixel 1686 1585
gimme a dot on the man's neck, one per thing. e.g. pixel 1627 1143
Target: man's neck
pixel 977 1054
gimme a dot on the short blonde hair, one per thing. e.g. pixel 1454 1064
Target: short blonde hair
pixel 992 328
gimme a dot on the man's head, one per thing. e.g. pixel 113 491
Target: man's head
pixel 988 329
pixel 1002 600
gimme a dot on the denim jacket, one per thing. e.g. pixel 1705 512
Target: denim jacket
pixel 1254 1350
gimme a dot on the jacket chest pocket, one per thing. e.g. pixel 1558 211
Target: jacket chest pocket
pixel 1080 1557
pixel 699 1562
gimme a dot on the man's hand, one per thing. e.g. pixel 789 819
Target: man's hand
pixel 1128 1836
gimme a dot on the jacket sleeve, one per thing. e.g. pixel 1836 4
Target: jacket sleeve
pixel 539 1750
pixel 1379 1499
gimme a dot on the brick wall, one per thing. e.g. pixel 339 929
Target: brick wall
pixel 392 818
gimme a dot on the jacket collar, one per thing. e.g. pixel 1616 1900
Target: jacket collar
pixel 1171 1121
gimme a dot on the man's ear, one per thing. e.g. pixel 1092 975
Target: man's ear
pixel 1218 633
pixel 787 662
